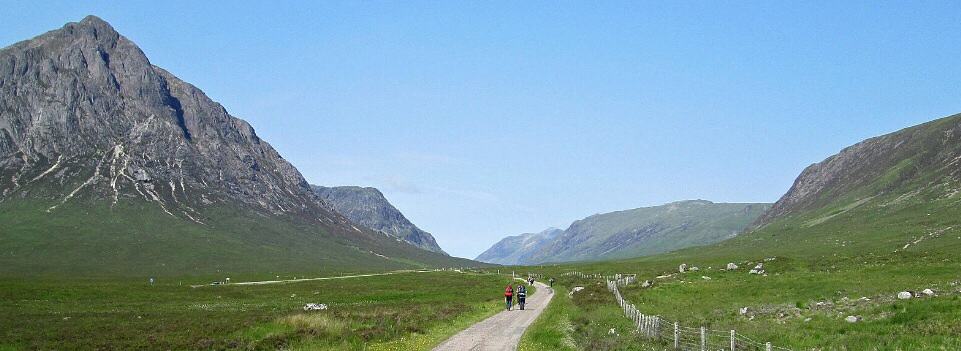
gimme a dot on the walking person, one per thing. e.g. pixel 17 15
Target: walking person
pixel 552 282
pixel 509 295
pixel 521 296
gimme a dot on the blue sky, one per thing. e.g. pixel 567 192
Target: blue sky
pixel 485 119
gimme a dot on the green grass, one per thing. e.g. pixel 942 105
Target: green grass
pixel 137 239
pixel 857 252
pixel 402 311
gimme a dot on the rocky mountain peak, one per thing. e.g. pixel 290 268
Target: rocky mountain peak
pixel 368 207
pixel 86 99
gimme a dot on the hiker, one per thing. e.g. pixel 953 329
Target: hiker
pixel 530 281
pixel 509 296
pixel 552 282
pixel 521 296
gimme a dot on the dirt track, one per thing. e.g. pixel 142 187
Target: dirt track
pixel 502 331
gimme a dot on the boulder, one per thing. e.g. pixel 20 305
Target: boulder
pixel 731 266
pixel 315 307
pixel 742 311
pixel 852 319
pixel 758 269
pixel 904 295
pixel 647 283
pixel 705 277
pixel 927 292
pixel 695 269
pixel 682 268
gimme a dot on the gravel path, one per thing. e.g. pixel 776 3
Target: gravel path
pixel 502 331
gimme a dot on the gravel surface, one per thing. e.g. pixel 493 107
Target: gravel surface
pixel 502 331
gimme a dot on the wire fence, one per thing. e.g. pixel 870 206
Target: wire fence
pixel 660 330
pixel 670 333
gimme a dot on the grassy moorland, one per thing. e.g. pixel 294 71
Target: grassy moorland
pixel 135 239
pixel 828 264
pixel 407 311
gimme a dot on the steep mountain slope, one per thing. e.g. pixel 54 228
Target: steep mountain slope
pixel 518 249
pixel 921 161
pixel 108 163
pixel 892 193
pixel 368 207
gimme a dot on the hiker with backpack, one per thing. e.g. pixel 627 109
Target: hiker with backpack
pixel 552 282
pixel 509 295
pixel 521 295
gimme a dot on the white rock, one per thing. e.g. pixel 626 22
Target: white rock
pixel 575 289
pixel 315 307
pixel 928 292
pixel 904 295
pixel 705 277
pixel 682 268
pixel 647 284
pixel 852 319
pixel 742 310
pixel 731 266
pixel 695 269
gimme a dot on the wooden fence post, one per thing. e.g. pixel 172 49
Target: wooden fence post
pixel 657 327
pixel 703 339
pixel 677 336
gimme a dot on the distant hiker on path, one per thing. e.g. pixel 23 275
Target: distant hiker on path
pixel 521 296
pixel 530 281
pixel 509 296
pixel 552 282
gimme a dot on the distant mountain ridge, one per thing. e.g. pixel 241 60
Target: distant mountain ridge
pixel 519 248
pixel 368 207
pixel 632 233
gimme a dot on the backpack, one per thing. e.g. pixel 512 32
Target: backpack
pixel 509 291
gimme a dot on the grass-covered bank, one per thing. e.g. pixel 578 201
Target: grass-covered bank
pixel 123 315
pixel 801 303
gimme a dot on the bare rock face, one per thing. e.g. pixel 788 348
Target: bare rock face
pixel 81 107
pixel 111 164
pixel 368 207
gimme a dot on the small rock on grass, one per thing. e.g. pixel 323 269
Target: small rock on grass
pixel 904 295
pixel 852 319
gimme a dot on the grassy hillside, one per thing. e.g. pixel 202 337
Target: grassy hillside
pixel 853 232
pixel 136 238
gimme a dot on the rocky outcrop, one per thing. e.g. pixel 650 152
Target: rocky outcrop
pixel 368 207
